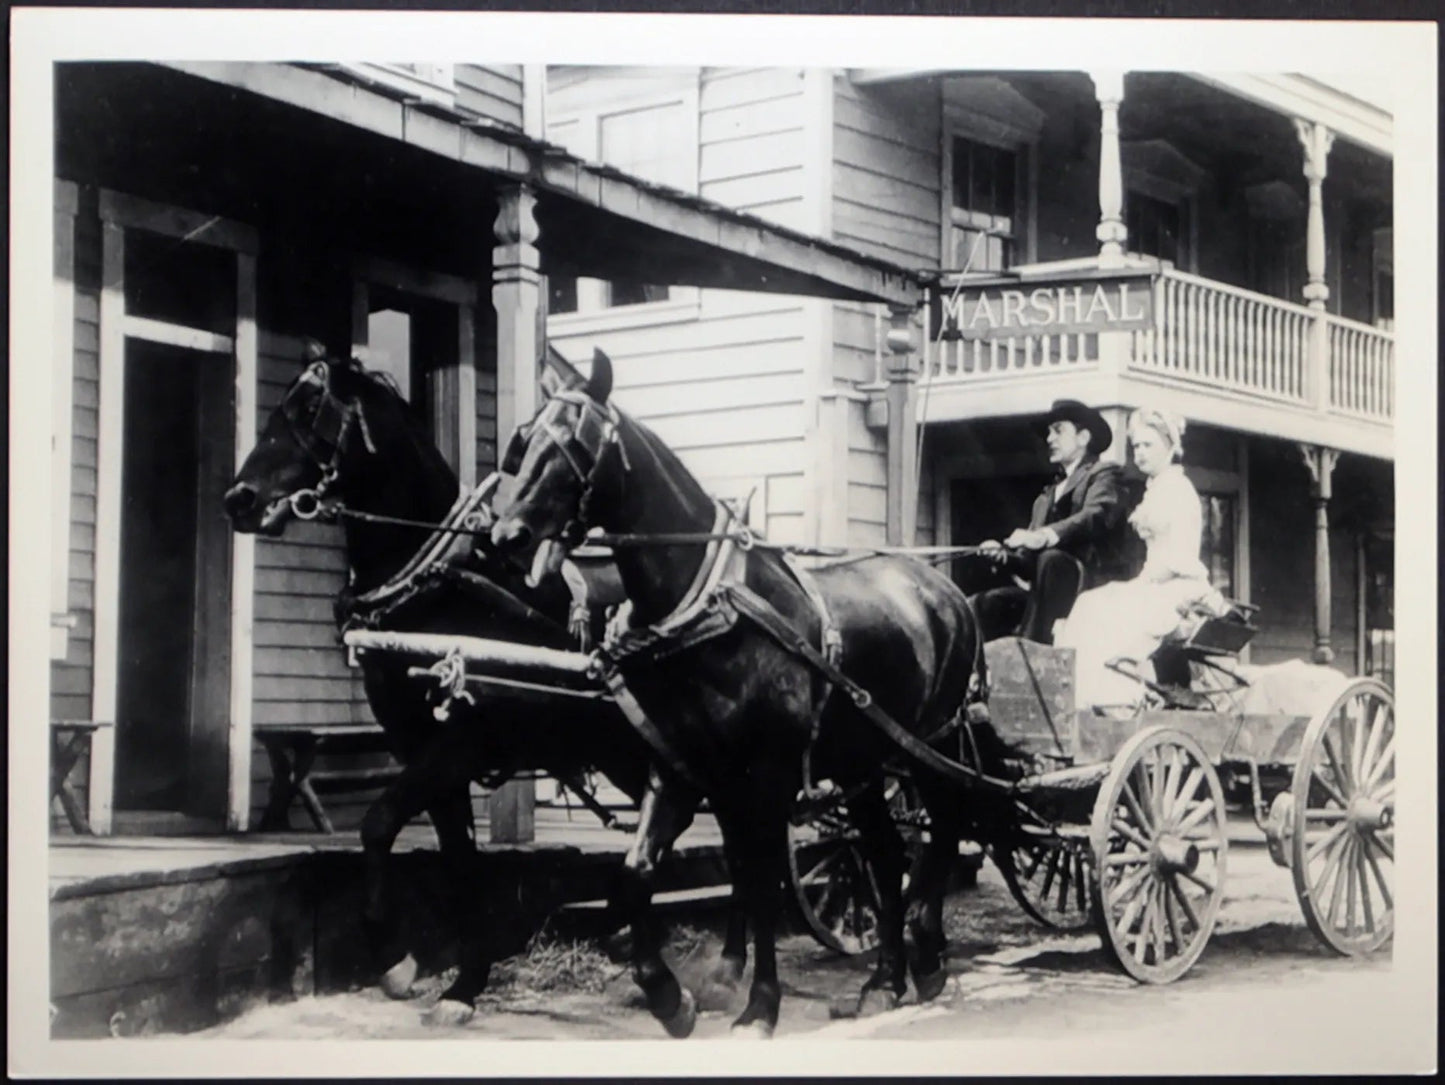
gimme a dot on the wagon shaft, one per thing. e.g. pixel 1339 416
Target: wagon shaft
pixel 473 650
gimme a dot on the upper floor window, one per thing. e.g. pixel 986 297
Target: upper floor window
pixel 983 216
pixel 1382 292
pixel 1155 227
pixel 642 124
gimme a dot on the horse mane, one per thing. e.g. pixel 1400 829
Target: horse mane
pixel 674 471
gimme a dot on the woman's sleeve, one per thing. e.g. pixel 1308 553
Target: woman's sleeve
pixel 1175 550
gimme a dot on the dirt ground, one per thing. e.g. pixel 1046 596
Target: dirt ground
pixel 998 957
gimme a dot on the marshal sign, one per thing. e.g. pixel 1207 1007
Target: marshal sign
pixel 999 311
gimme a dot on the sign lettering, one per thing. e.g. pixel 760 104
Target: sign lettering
pixel 998 312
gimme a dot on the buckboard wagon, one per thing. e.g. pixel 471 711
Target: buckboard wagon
pixel 1114 820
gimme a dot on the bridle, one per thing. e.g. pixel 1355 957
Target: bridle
pixel 582 445
pixel 323 437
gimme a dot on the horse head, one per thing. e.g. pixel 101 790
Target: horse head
pixel 567 466
pixel 335 427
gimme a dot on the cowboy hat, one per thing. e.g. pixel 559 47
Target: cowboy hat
pixel 1082 416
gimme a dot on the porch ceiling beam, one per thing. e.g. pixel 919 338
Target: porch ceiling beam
pixel 768 257
pixel 1299 96
pixel 867 77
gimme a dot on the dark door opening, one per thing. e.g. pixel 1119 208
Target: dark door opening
pixel 172 695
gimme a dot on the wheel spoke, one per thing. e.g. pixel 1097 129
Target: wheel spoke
pixel 1184 904
pixel 1378 720
pixel 1326 868
pixel 1195 816
pixel 1338 862
pixel 1049 872
pixel 1375 866
pixel 1355 723
pixel 1329 788
pixel 1080 898
pixel 1325 841
pixel 1066 868
pixel 1168 895
pixel 1132 896
pixel 1036 855
pixel 1340 776
pixel 1146 786
pixel 1146 927
pixel 1167 795
pixel 1136 807
pixel 1195 877
pixel 1362 875
pixel 1125 830
pixel 1350 890
pixel 1127 887
pixel 1126 858
pixel 1384 845
pixel 1387 757
pixel 1189 789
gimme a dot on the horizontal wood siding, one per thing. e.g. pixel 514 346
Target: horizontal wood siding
pixel 887 171
pixel 493 90
pixel 886 202
pixel 299 667
pixel 723 384
pixel 71 680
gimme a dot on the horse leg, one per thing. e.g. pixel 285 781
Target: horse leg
pixel 882 848
pixel 452 818
pixel 406 797
pixel 761 848
pixel 726 974
pixel 663 815
pixel 925 910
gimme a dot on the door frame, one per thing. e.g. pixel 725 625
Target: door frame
pixel 120 213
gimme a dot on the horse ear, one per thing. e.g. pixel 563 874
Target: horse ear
pixel 600 386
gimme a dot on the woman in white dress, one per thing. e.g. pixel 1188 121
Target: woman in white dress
pixel 1128 619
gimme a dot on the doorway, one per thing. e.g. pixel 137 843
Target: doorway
pixel 173 673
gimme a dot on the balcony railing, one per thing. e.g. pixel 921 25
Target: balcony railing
pixel 1168 324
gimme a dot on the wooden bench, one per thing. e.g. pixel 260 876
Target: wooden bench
pixel 293 750
pixel 69 740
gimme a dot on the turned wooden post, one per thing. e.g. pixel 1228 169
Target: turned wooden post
pixel 516 295
pixel 902 376
pixel 1317 140
pixel 1321 464
pixel 1109 90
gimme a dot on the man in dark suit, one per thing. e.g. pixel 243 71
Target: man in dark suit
pixel 1074 540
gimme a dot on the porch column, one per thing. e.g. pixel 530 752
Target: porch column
pixel 516 295
pixel 902 378
pixel 1317 140
pixel 1109 90
pixel 1321 463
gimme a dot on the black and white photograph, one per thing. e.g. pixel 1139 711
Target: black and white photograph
pixel 672 530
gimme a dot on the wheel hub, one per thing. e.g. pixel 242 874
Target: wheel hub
pixel 1368 815
pixel 1174 855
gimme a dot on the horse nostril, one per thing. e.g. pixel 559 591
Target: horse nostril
pixel 239 499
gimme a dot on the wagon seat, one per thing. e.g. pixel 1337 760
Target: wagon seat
pixel 1208 633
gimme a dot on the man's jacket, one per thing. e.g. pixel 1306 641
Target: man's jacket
pixel 1090 517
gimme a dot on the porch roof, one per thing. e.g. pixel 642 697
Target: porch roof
pixel 610 224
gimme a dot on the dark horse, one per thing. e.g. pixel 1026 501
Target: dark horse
pixel 342 434
pixel 738 711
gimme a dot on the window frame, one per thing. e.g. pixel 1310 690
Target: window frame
pixel 1024 147
pixel 609 95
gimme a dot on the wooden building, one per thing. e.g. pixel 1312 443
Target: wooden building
pixel 208 216
pixel 1216 246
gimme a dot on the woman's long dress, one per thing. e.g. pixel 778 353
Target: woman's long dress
pixel 1129 618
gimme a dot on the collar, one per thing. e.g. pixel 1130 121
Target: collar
pixel 1064 474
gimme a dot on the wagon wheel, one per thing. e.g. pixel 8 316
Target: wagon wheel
pixel 1159 845
pixel 1047 875
pixel 832 885
pixel 1343 839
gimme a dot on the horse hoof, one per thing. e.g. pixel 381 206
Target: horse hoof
pixel 396 981
pixel 449 1013
pixel 753 1030
pixel 930 986
pixel 679 1026
pixel 876 1000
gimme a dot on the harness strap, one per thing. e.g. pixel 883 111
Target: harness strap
pixel 832 642
pixel 624 699
pixel 769 621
